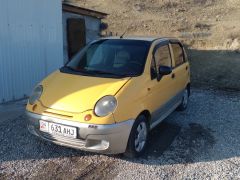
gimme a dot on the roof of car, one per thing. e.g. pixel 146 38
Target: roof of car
pixel 150 39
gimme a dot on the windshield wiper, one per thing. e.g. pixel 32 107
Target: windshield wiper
pixel 72 69
pixel 104 72
pixel 76 70
pixel 97 72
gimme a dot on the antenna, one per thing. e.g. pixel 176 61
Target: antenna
pixel 125 31
pixel 123 34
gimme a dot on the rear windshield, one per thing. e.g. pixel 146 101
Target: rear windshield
pixel 110 58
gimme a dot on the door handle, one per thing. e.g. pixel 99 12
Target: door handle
pixel 173 75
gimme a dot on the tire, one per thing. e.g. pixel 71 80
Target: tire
pixel 185 99
pixel 138 138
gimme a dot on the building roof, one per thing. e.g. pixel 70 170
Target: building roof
pixel 72 8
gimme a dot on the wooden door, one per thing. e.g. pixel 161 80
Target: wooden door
pixel 76 34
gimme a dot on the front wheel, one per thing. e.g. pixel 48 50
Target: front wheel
pixel 138 138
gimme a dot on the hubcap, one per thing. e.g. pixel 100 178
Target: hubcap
pixel 185 98
pixel 141 136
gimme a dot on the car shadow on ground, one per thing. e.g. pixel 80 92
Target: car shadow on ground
pixel 160 139
pixel 170 143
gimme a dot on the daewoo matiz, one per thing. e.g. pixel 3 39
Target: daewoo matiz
pixel 111 94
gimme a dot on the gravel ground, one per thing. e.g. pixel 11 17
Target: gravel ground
pixel 200 143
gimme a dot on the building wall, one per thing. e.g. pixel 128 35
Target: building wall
pixel 92 30
pixel 30 44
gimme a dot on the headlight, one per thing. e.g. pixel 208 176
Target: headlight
pixel 105 106
pixel 36 94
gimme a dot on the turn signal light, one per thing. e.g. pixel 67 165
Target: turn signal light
pixel 88 117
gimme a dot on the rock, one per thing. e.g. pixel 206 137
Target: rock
pixel 232 44
pixel 235 45
pixel 227 43
pixel 138 7
pixel 181 10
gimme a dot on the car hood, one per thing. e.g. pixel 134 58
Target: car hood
pixel 76 93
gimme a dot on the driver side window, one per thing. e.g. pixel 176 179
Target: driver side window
pixel 162 57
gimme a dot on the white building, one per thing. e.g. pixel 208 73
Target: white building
pixel 36 38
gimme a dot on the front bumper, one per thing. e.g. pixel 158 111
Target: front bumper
pixel 106 139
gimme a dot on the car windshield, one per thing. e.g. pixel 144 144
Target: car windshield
pixel 110 58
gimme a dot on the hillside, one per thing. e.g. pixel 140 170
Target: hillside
pixel 214 21
pixel 210 28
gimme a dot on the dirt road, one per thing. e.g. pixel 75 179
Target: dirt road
pixel 201 143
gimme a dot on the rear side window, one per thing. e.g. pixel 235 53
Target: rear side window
pixel 163 57
pixel 178 54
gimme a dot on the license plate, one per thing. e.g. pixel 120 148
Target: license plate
pixel 58 129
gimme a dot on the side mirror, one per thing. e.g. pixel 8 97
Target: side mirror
pixel 164 70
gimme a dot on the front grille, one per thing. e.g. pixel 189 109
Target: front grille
pixel 57 114
pixel 65 140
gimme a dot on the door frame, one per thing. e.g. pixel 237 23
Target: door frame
pixel 169 106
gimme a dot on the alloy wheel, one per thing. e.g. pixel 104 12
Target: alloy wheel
pixel 141 136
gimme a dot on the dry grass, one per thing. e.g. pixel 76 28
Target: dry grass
pixel 207 26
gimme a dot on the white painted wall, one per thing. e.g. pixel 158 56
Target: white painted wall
pixel 30 44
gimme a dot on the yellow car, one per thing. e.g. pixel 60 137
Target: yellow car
pixel 111 94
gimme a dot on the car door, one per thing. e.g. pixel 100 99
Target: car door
pixel 161 88
pixel 180 67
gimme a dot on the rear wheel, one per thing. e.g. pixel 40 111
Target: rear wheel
pixel 185 99
pixel 138 138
